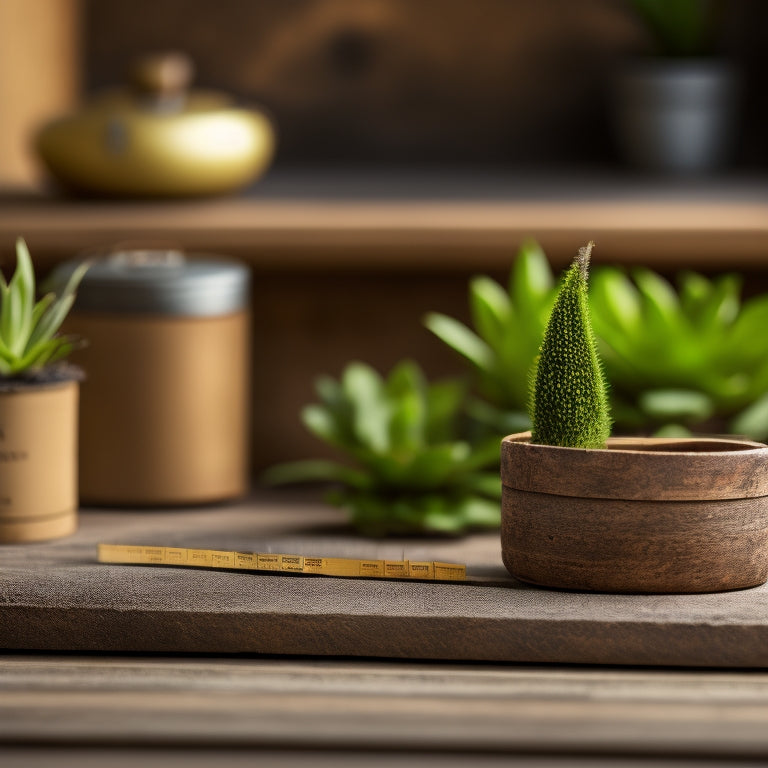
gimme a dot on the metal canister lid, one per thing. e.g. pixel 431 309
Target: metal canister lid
pixel 159 282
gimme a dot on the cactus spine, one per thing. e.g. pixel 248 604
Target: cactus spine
pixel 569 405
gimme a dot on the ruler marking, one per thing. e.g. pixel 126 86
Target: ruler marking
pixel 398 569
pixel 267 562
pixel 421 570
pixel 222 559
pixel 372 569
pixel 257 561
pixel 247 561
pixel 176 556
pixel 292 563
pixel 200 558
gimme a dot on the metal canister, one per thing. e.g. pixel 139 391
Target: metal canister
pixel 164 416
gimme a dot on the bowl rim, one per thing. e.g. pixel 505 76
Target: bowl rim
pixel 739 470
pixel 722 445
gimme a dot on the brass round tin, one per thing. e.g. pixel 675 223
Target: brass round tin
pixel 157 138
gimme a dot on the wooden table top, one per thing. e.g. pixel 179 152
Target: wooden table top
pixel 106 664
pixel 56 597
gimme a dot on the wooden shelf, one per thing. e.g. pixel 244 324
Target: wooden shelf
pixel 56 597
pixel 415 224
pixel 330 253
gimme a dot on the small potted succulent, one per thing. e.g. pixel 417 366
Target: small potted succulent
pixel 407 470
pixel 582 510
pixel 689 357
pixel 38 409
pixel 676 107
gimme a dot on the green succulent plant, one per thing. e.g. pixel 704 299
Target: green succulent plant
pixel 678 27
pixel 508 328
pixel 682 358
pixel 678 358
pixel 407 471
pixel 569 402
pixel 29 328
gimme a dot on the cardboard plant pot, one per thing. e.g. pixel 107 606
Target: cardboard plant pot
pixel 643 515
pixel 38 461
pixel 164 415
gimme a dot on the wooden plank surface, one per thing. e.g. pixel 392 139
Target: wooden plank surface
pixel 442 223
pixel 379 706
pixel 55 596
pixel 163 757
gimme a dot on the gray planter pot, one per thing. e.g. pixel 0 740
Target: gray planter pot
pixel 676 116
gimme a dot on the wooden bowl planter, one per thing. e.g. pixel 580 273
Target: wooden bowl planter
pixel 643 515
pixel 38 461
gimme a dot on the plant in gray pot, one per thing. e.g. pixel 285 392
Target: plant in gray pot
pixel 675 109
pixel 582 510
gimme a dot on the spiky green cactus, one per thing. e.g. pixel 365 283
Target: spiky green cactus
pixel 569 399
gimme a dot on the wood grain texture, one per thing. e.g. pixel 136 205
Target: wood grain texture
pixel 634 546
pixel 653 469
pixel 56 597
pixel 197 757
pixel 309 224
pixel 638 516
pixel 389 707
pixel 364 81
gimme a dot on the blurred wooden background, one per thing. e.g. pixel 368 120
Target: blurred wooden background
pixel 506 83
pixel 441 81
pixel 518 90
pixel 39 76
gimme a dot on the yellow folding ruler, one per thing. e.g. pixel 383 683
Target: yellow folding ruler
pixel 258 561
